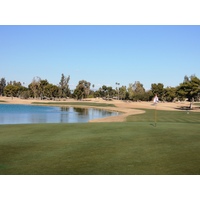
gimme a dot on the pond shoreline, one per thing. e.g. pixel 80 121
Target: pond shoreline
pixel 125 107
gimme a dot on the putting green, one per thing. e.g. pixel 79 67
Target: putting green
pixel 166 116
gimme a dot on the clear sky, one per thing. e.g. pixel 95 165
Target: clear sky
pixel 102 55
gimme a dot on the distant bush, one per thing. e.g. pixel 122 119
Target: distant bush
pixel 25 95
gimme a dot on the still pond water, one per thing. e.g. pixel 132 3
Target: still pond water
pixel 30 114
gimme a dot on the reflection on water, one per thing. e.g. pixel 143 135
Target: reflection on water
pixel 64 108
pixel 28 114
pixel 81 111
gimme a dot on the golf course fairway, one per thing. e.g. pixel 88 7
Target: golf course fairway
pixel 135 147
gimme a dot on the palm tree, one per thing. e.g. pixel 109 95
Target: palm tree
pixel 118 89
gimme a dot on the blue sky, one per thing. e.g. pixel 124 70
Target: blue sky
pixel 102 55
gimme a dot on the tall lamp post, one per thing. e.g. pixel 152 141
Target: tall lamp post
pixel 118 89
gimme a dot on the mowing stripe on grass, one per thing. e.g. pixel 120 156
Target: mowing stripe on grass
pixel 100 148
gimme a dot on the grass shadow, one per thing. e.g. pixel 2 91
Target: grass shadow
pixel 187 108
pixel 153 124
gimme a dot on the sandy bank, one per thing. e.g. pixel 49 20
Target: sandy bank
pixel 127 108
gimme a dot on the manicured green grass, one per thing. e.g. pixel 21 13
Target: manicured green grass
pixel 166 116
pixel 134 147
pixel 77 104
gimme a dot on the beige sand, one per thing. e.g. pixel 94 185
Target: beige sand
pixel 126 107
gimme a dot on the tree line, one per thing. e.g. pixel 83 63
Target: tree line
pixel 189 90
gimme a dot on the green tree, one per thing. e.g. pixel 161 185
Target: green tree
pixel 11 90
pixel 2 85
pixel 158 89
pixel 51 91
pixel 189 89
pixel 186 79
pixel 82 89
pixel 138 87
pixel 16 83
pixel 34 87
pixel 100 92
pixel 136 91
pixel 130 91
pixel 64 90
pixel 148 95
pixel 92 92
pixel 110 92
pixel 104 91
pixel 14 89
pixel 25 94
pixel 117 89
pixel 97 93
pixel 42 88
pixel 169 94
pixel 122 93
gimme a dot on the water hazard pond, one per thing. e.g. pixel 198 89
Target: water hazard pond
pixel 30 114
